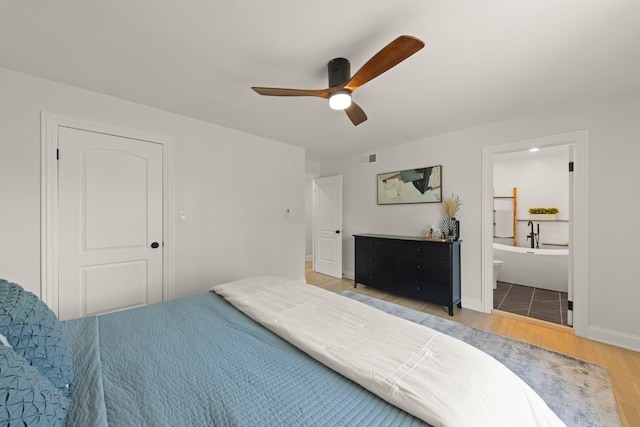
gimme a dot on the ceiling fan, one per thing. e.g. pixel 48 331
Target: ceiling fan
pixel 342 84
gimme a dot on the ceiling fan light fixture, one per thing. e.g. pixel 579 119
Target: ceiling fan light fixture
pixel 342 83
pixel 340 100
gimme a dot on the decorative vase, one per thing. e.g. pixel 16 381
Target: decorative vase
pixel 450 228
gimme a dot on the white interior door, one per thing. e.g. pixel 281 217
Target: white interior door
pixel 327 235
pixel 110 239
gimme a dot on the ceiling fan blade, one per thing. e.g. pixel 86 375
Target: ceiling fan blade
pixel 355 113
pixel 390 56
pixel 274 91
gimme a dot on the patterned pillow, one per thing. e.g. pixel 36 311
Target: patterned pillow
pixel 36 334
pixel 28 398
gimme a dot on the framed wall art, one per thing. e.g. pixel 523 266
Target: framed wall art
pixel 422 185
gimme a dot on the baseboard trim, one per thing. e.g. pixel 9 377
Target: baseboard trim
pixel 616 338
pixel 472 304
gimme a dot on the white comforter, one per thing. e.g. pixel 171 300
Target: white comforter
pixel 433 376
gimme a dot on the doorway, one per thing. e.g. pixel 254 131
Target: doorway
pixel 531 251
pixel 578 226
pixel 110 199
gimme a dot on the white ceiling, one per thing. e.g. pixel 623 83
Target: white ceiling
pixel 484 60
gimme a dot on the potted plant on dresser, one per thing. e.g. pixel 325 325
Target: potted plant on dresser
pixel 451 226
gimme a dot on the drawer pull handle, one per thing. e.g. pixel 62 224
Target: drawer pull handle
pixel 372 277
pixel 419 288
pixel 419 249
pixel 419 267
pixel 373 259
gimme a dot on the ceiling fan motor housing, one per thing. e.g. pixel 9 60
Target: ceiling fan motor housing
pixel 339 71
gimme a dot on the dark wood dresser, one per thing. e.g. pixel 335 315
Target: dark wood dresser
pixel 410 266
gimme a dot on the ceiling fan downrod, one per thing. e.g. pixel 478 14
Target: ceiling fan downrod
pixel 339 71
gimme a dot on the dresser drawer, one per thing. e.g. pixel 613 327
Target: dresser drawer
pixel 372 244
pixel 378 280
pixel 373 259
pixel 432 291
pixel 418 268
pixel 430 250
pixel 374 269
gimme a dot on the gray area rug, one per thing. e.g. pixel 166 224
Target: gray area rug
pixel 579 392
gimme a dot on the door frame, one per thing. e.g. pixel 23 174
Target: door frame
pixel 49 199
pixel 579 223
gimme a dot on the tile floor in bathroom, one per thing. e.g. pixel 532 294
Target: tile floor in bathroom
pixel 542 304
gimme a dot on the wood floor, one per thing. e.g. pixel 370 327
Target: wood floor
pixel 623 365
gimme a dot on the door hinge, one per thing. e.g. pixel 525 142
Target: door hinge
pixel 57 154
pixel 570 166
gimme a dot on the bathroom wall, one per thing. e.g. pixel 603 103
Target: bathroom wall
pixel 542 180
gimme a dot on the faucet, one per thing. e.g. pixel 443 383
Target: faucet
pixel 534 236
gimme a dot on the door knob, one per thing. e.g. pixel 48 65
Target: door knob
pixel 155 245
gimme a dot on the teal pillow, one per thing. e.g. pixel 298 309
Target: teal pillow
pixel 36 334
pixel 27 397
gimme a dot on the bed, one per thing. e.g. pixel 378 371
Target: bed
pixel 194 361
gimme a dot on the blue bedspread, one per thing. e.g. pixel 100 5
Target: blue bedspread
pixel 200 362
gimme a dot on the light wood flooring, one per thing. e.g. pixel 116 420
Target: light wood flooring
pixel 623 365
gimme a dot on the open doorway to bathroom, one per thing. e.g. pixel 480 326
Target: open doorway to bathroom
pixel 531 224
pixel 577 221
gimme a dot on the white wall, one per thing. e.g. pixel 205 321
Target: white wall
pixel 542 180
pixel 234 186
pixel 614 201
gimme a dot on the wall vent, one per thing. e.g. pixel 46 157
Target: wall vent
pixel 369 158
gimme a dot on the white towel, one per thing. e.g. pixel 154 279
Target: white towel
pixel 503 223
